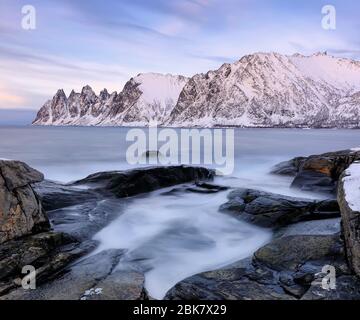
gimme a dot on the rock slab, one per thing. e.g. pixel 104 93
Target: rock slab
pixel 21 212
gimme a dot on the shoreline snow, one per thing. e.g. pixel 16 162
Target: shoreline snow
pixel 352 186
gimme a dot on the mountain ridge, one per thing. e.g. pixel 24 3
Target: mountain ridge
pixel 259 90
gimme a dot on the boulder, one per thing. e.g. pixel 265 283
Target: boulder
pixel 47 252
pixel 134 182
pixel 275 211
pixel 285 269
pixel 319 173
pixel 349 201
pixel 92 278
pixel 21 212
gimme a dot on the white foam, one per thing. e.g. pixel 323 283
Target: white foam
pixel 176 236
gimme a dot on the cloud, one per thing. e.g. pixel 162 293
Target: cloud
pixel 219 59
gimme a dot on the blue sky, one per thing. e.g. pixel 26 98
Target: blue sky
pixel 104 43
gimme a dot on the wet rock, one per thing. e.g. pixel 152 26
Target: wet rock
pixel 74 281
pixel 203 187
pixel 55 195
pixel 83 221
pixel 275 211
pixel 288 168
pixel 133 182
pixel 319 173
pixel 47 252
pixel 316 227
pixel 120 285
pixel 285 269
pixel 230 284
pixel 21 212
pixel 288 253
pixel 347 288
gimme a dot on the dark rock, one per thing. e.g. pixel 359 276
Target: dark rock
pixel 314 181
pixel 275 211
pixel 21 212
pixel 288 168
pixel 17 174
pixel 55 195
pixel 285 269
pixel 247 283
pixel 350 221
pixel 288 253
pixel 48 252
pixel 203 187
pixel 91 278
pixel 347 288
pixel 84 220
pixel 319 173
pixel 120 285
pixel 133 182
pixel 314 227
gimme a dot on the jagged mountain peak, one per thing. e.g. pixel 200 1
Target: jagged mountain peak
pixel 259 90
pixel 87 90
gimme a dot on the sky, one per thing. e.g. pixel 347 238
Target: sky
pixel 105 43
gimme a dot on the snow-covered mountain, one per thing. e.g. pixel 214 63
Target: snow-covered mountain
pixel 259 90
pixel 269 89
pixel 145 98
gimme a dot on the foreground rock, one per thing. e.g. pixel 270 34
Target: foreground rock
pixel 276 211
pixel 349 200
pixel 134 182
pixel 288 268
pixel 84 207
pixel 47 252
pixel 319 173
pixel 21 212
pixel 93 278
pixel 77 211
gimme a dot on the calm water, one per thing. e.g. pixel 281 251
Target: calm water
pixel 179 235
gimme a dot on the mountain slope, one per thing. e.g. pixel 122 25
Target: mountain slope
pixel 269 89
pixel 259 90
pixel 145 98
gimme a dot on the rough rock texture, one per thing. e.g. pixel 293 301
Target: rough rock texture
pixel 270 89
pixel 259 90
pixel 133 182
pixel 319 173
pixel 91 278
pixel 275 211
pixel 145 98
pixel 21 212
pixel 285 269
pixel 82 208
pixel 48 252
pixel 350 213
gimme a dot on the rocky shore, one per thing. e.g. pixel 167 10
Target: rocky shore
pixel 309 235
pixel 76 211
pixel 308 238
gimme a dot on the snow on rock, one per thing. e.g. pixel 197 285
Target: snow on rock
pixel 259 90
pixel 352 186
pixel 145 98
